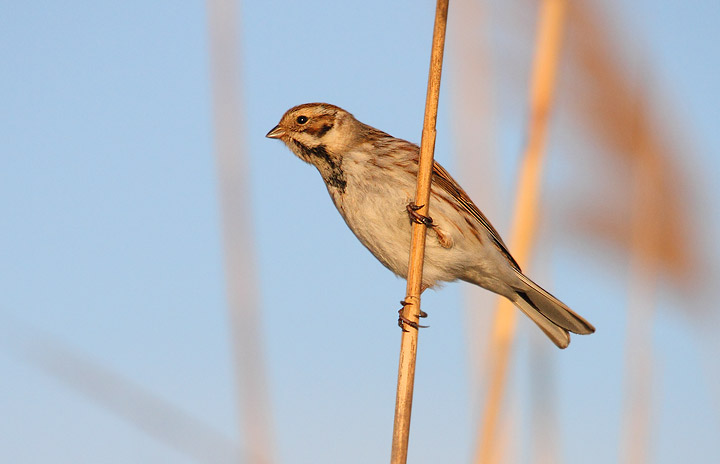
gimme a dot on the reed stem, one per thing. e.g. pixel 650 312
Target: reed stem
pixel 547 52
pixel 408 346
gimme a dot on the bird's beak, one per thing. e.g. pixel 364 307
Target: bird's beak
pixel 276 132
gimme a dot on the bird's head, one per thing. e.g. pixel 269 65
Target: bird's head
pixel 317 128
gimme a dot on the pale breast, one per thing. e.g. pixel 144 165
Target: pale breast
pixel 374 207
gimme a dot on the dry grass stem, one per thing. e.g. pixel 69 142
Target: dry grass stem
pixel 548 43
pixel 408 347
pixel 635 436
pixel 654 227
pixel 241 282
pixel 148 412
pixel 474 131
pixel 621 118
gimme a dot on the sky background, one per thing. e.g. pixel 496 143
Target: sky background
pixel 112 293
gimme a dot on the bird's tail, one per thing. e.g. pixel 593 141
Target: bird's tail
pixel 549 313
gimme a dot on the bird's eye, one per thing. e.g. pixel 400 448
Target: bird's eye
pixel 302 119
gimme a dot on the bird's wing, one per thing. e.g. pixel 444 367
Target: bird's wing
pixel 443 180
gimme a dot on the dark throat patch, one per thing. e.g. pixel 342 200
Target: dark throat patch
pixel 329 168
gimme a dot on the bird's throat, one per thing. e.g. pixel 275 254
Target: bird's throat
pixel 329 166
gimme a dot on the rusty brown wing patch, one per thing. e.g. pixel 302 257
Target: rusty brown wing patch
pixel 443 180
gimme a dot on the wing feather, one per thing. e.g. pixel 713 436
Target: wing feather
pixel 444 181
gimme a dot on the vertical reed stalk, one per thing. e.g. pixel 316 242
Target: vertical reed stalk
pixel 241 282
pixel 636 430
pixel 547 52
pixel 408 346
pixel 474 133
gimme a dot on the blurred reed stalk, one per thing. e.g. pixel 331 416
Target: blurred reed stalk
pixel 616 108
pixel 545 442
pixel 548 43
pixel 474 131
pixel 645 239
pixel 408 346
pixel 635 433
pixel 128 400
pixel 241 281
pixel 658 235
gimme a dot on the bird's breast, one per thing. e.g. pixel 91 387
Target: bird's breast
pixel 373 206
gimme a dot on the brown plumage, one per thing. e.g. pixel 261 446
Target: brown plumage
pixel 371 178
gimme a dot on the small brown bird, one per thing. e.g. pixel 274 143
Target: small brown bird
pixel 371 177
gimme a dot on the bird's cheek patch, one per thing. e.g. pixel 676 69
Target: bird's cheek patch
pixel 321 131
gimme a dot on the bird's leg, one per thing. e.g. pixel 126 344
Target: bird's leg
pixel 444 239
pixel 412 210
pixel 405 303
pixel 402 320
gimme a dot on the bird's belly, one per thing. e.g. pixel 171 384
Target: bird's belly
pixel 378 217
pixel 381 224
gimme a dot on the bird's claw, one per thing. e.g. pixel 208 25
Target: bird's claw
pixel 402 320
pixel 404 303
pixel 412 210
pixel 422 313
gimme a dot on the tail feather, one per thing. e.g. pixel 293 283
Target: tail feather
pixel 557 334
pixel 549 313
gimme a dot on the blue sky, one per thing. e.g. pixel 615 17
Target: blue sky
pixel 111 252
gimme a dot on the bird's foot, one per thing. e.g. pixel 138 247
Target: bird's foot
pixel 422 313
pixel 412 210
pixel 402 320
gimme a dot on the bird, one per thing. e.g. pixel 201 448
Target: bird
pixel 371 178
